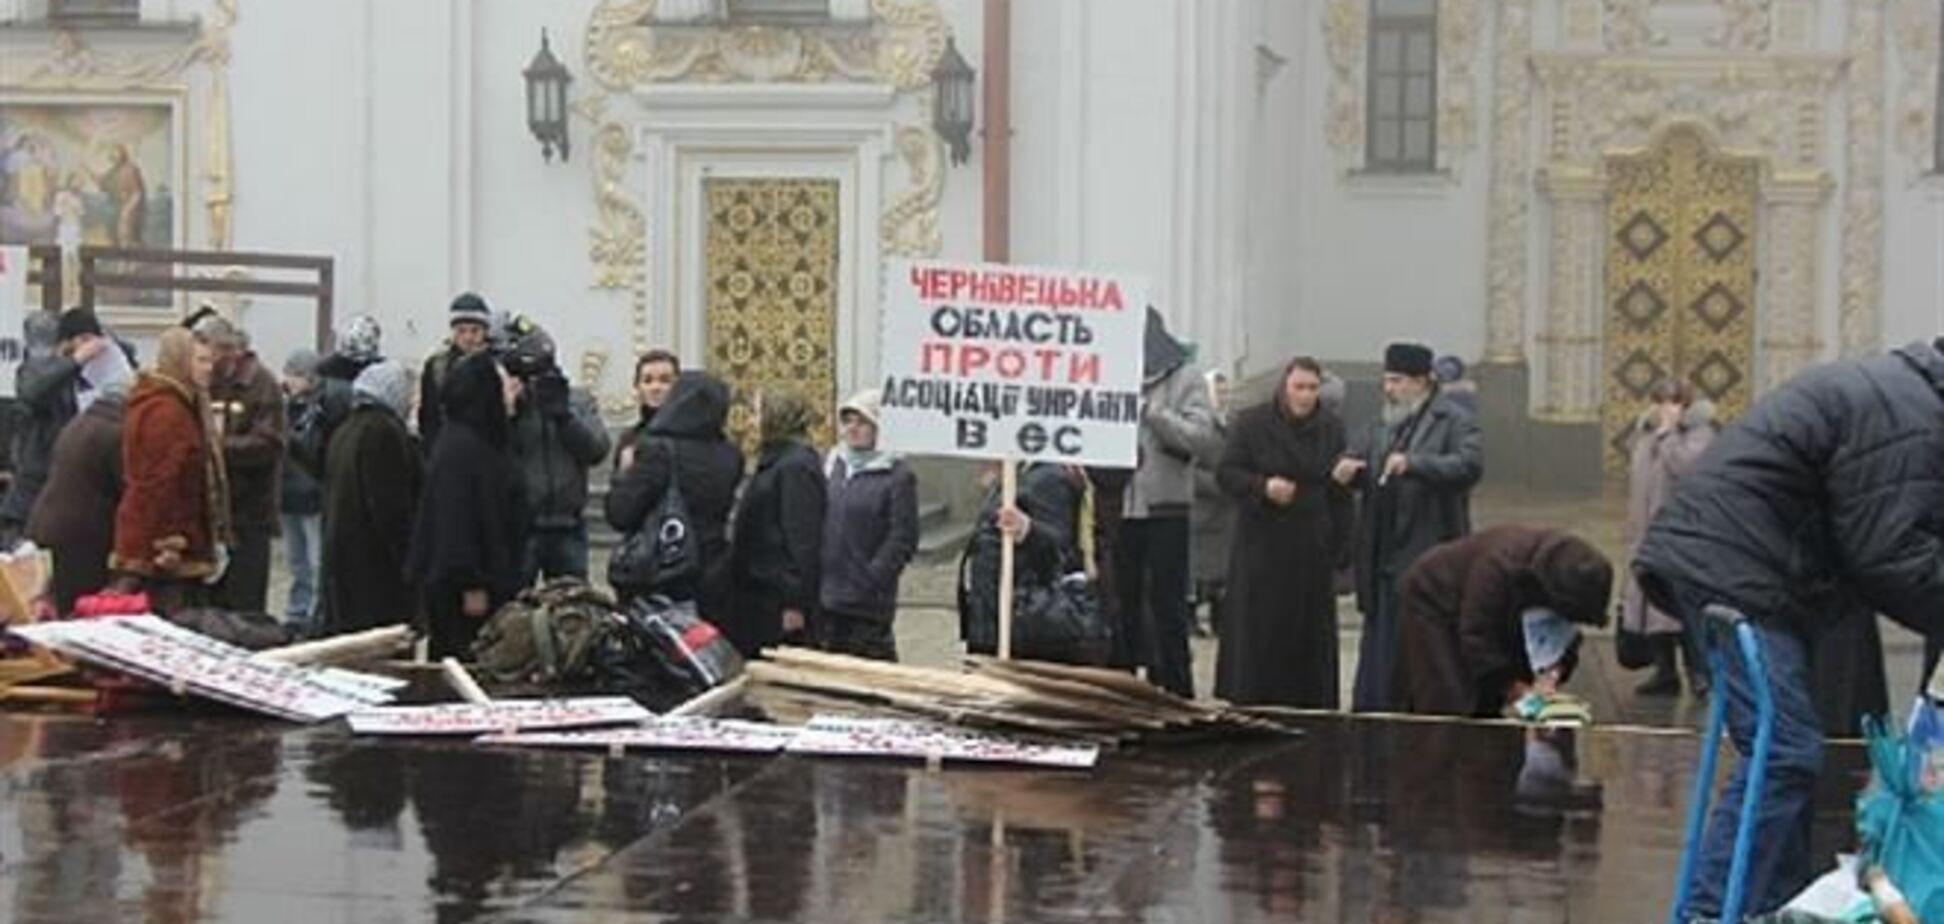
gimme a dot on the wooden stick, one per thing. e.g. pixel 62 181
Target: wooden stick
pixel 64 695
pixel 1008 496
pixel 710 700
pixel 463 683
pixel 355 646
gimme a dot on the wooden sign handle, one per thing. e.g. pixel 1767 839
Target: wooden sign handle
pixel 1008 496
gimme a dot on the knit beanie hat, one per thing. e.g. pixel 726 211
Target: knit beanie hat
pixel 469 308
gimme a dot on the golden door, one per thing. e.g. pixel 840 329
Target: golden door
pixel 771 293
pixel 1680 282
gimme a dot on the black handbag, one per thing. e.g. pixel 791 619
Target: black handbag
pixel 1061 622
pixel 663 551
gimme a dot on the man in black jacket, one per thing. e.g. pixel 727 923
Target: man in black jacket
pixel 557 437
pixel 1830 490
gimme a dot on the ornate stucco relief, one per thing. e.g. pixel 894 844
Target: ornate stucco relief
pixel 1914 24
pixel 1861 279
pixel 1509 219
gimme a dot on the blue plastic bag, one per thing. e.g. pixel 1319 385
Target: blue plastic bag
pixel 1902 825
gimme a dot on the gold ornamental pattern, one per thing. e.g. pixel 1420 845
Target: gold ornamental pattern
pixel 771 301
pixel 1680 281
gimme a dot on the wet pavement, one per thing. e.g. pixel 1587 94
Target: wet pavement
pixel 229 818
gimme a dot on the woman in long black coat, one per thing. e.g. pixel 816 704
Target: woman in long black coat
pixel 684 438
pixel 778 550
pixel 372 474
pixel 467 542
pixel 1279 633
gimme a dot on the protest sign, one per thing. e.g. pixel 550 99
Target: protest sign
pixel 13 314
pixel 186 662
pixel 1008 362
pixel 663 734
pixel 847 736
pixel 500 715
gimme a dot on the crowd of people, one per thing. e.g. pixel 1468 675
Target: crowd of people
pixel 433 499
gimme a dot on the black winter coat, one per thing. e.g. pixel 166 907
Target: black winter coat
pixel 1430 504
pixel 778 551
pixel 687 433
pixel 1051 496
pixel 74 517
pixel 1832 485
pixel 471 516
pixel 373 476
pixel 555 443
pixel 45 386
pixel 870 533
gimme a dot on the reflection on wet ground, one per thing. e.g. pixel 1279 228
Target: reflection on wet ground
pixel 217 818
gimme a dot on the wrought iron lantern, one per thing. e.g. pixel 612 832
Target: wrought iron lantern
pixel 546 85
pixel 953 82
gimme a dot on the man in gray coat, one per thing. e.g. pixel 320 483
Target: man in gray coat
pixel 1151 554
pixel 1414 468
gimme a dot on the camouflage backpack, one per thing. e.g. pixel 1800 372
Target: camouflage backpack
pixel 543 638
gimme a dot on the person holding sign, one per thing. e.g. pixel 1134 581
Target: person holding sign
pixel 1044 523
pixel 1414 467
pixel 1177 425
pixel 1279 639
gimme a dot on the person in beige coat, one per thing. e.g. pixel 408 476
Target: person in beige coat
pixel 1667 442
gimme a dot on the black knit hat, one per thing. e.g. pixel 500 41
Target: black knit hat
pixel 76 322
pixel 1408 359
pixel 469 308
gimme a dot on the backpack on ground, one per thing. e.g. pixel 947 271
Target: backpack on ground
pixel 543 639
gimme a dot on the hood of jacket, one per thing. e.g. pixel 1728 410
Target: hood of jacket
pixel 697 407
pixel 473 396
pixel 1164 354
pixel 1575 578
pixel 1928 360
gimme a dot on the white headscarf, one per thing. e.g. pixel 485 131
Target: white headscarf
pixel 387 384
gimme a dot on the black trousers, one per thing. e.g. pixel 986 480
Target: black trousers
pixel 245 587
pixel 850 634
pixel 451 631
pixel 1151 571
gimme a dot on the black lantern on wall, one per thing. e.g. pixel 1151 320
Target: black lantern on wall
pixel 546 85
pixel 953 82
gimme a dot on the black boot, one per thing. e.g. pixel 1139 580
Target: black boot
pixel 1665 680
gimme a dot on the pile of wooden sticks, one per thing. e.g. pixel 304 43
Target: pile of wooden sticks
pixel 1020 697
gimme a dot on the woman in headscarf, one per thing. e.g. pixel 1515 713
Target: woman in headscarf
pixel 684 445
pixel 468 538
pixel 372 481
pixel 1666 442
pixel 1213 515
pixel 870 534
pixel 778 551
pixel 74 517
pixel 1279 636
pixel 172 521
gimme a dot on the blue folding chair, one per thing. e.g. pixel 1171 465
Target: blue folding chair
pixel 1726 629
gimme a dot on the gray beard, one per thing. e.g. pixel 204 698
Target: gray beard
pixel 1397 412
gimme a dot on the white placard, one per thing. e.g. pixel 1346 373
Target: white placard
pixel 992 362
pixel 13 313
pixel 845 736
pixel 672 733
pixel 159 651
pixel 503 715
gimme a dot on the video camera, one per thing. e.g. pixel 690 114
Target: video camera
pixel 527 352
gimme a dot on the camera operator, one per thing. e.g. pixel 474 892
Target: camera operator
pixel 557 437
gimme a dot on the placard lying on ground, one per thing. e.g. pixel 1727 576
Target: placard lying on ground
pixel 846 736
pixel 160 651
pixel 995 362
pixel 672 733
pixel 498 716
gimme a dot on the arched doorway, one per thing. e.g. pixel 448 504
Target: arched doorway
pixel 1680 280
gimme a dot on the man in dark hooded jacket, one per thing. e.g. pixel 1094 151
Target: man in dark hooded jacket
pixel 1177 427
pixel 1830 490
pixel 1462 651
